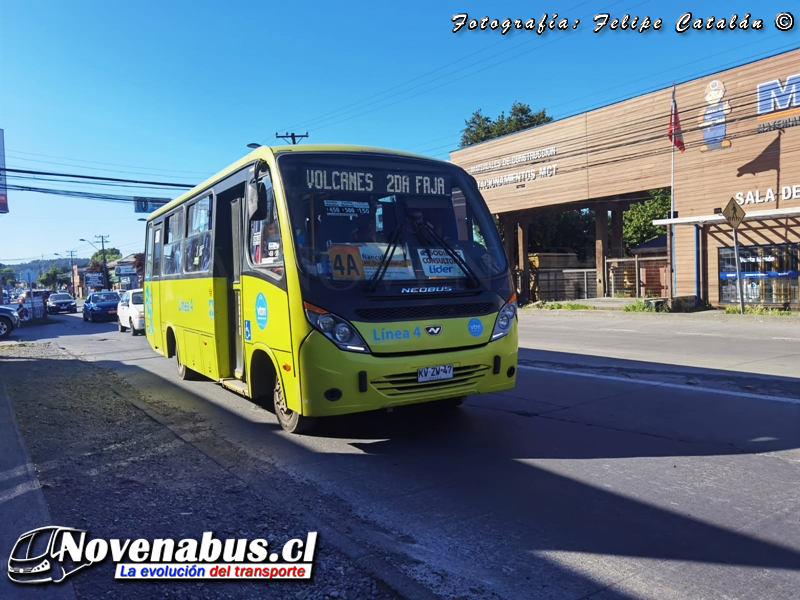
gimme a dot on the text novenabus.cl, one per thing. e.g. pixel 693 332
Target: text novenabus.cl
pixel 49 554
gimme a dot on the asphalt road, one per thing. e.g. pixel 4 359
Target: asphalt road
pixel 640 456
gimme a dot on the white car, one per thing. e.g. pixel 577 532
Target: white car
pixel 130 311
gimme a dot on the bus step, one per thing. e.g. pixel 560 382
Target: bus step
pixel 240 387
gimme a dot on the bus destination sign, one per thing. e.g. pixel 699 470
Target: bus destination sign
pixel 375 182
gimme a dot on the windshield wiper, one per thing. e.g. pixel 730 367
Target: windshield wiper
pixel 472 277
pixel 386 259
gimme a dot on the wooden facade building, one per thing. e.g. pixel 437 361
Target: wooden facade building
pixel 741 131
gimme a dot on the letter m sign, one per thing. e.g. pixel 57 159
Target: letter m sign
pixel 773 96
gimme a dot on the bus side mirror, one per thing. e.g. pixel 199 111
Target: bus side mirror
pixel 256 204
pixel 260 201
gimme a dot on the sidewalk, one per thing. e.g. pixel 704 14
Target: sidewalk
pixel 22 505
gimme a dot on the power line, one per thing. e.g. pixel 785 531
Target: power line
pixel 91 162
pixel 159 183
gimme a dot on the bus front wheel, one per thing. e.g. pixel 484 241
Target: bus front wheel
pixel 184 372
pixel 291 421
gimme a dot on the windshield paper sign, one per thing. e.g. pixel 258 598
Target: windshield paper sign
pixel 360 261
pixel 436 262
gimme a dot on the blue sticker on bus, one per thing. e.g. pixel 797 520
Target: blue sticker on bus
pixel 475 327
pixel 261 311
pixel 247 334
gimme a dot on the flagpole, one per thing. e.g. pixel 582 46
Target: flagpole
pixel 672 212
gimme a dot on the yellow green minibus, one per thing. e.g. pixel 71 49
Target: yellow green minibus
pixel 328 280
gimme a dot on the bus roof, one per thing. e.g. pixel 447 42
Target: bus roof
pixel 278 150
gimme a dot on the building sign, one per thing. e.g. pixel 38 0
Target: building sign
pixel 93 279
pixel 124 270
pixel 3 189
pixel 775 98
pixel 509 161
pixel 787 192
pixel 518 177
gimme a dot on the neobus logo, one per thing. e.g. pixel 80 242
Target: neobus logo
pixel 423 290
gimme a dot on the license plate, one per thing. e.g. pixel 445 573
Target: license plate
pixel 112 312
pixel 435 373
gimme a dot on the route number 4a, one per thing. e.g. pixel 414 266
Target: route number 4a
pixel 346 262
pixel 346 267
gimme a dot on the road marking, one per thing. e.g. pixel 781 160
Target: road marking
pixel 697 333
pixel 785 339
pixel 676 386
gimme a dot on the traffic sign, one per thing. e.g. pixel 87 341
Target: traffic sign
pixel 734 213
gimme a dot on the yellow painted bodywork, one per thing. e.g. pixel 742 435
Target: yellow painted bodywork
pixel 305 360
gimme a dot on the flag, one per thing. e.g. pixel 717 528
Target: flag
pixel 675 134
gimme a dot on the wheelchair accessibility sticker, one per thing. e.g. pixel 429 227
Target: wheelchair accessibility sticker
pixel 247 334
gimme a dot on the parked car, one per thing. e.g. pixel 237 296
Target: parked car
pixel 9 321
pixel 61 302
pixel 130 312
pixel 101 306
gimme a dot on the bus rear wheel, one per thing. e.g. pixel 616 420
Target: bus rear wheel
pixel 291 421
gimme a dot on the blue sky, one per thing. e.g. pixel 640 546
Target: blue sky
pixel 175 90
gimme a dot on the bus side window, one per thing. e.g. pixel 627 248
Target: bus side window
pixel 198 239
pixel 157 253
pixel 266 247
pixel 173 243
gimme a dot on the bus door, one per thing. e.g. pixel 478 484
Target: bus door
pixel 152 295
pixel 235 291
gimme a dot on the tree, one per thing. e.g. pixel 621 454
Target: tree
pixel 111 254
pixel 95 266
pixel 637 224
pixel 50 279
pixel 8 275
pixel 479 128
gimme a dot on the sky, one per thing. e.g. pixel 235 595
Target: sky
pixel 173 91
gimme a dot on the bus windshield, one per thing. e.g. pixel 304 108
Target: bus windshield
pixel 415 220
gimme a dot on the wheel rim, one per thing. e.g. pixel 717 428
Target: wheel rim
pixel 280 405
pixel 3 328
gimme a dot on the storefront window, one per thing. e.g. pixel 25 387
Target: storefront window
pixel 769 274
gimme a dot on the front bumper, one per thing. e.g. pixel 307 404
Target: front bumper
pixel 391 380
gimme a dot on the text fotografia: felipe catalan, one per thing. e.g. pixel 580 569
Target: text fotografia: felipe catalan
pixel 783 22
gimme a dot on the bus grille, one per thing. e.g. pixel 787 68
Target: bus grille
pixel 425 311
pixel 406 383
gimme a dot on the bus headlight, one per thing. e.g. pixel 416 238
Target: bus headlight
pixel 343 333
pixel 335 328
pixel 326 323
pixel 504 318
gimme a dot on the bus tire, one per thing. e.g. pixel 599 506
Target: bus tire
pixel 290 421
pixel 184 372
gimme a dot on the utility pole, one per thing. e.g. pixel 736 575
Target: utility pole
pixel 103 239
pixel 72 254
pixel 292 135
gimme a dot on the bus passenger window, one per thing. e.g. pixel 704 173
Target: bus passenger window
pixel 198 240
pixel 157 253
pixel 173 244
